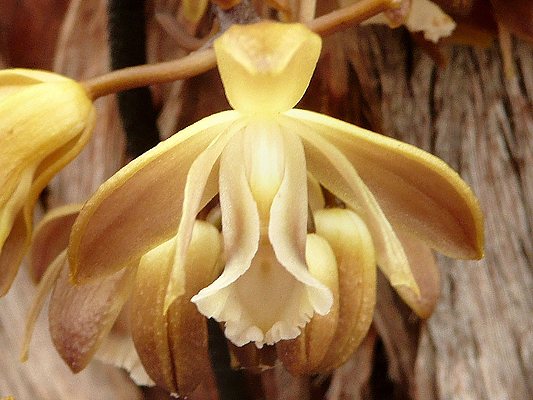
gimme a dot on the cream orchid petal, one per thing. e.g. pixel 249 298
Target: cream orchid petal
pixel 119 350
pixel 417 191
pixel 200 174
pixel 241 231
pixel 81 316
pixel 288 223
pixel 265 293
pixel 335 172
pixel 136 209
pixel 267 303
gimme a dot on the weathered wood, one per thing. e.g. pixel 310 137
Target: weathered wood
pixel 479 342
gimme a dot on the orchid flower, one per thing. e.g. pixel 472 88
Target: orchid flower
pixel 284 270
pixel 45 121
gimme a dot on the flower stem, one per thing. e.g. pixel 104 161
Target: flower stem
pixel 168 71
pixel 343 18
pixel 203 60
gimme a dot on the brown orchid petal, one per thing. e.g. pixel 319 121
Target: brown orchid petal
pixel 426 273
pixel 82 316
pixel 148 321
pixel 335 172
pixel 50 238
pixel 315 195
pixel 48 280
pixel 303 354
pixel 140 206
pixel 173 346
pixel 417 191
pixel 352 244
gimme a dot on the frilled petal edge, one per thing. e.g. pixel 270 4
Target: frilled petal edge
pixel 265 293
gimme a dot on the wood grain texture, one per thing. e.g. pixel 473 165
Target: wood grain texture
pixel 479 342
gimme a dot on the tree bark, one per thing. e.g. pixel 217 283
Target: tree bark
pixel 479 342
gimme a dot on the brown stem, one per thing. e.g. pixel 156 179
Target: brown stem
pixel 358 12
pixel 143 75
pixel 203 60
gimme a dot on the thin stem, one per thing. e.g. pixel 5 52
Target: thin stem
pixel 203 60
pixel 345 17
pixel 168 71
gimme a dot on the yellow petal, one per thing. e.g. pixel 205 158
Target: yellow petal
pixel 81 316
pixel 15 79
pixel 36 122
pixel 417 191
pixel 50 238
pixel 173 346
pixel 43 126
pixel 354 251
pixel 266 67
pixel 140 206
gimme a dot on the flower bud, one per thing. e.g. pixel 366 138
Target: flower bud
pixel 45 121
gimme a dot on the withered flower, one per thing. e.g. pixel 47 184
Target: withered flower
pixel 284 270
